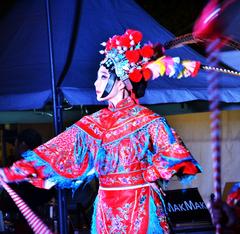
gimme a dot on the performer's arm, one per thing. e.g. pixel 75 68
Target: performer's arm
pixel 170 156
pixel 64 160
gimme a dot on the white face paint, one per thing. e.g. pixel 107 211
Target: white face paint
pixel 100 85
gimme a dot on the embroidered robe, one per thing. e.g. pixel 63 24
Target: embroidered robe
pixel 128 147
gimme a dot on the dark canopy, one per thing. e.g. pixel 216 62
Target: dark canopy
pixel 78 29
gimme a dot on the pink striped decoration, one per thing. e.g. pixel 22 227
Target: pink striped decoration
pixel 214 99
pixel 33 220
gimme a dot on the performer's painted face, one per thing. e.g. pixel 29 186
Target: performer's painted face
pixel 102 83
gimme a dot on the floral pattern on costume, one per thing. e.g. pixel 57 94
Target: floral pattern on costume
pixel 128 215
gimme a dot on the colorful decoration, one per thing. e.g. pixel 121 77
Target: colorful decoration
pixel 128 57
pixel 173 67
pixel 131 61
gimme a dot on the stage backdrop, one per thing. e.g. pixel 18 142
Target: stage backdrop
pixel 78 28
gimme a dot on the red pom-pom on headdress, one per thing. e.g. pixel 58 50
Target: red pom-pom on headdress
pixel 136 36
pixel 135 75
pixel 108 45
pixel 115 41
pixel 125 41
pixel 147 73
pixel 133 56
pixel 147 51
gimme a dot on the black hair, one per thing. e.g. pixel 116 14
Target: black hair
pixel 139 88
pixel 31 138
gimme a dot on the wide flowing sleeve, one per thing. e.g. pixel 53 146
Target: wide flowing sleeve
pixel 169 155
pixel 65 160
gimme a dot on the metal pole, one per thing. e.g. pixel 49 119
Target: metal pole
pixel 57 113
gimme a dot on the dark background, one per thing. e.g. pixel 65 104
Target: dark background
pixel 177 16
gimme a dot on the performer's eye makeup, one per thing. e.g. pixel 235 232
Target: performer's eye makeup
pixel 104 77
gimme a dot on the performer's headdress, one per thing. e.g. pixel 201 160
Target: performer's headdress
pixel 132 62
pixel 129 61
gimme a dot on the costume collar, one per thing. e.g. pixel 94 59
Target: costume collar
pixel 123 104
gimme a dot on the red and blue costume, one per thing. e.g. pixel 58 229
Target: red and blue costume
pixel 128 147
